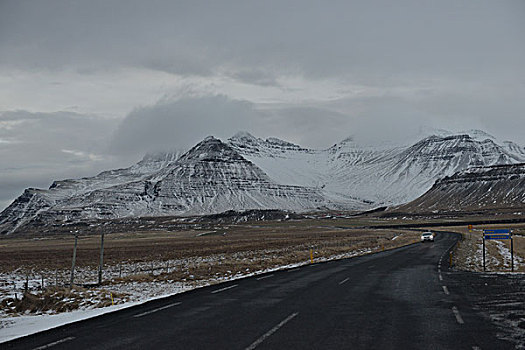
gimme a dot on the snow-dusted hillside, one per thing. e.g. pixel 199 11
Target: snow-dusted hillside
pixel 251 173
pixel 212 177
pixel 380 175
pixel 499 186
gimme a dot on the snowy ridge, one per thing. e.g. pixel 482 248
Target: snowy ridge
pixel 499 186
pixel 247 172
pixel 379 175
pixel 212 177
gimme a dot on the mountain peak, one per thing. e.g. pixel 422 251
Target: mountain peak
pixel 210 138
pixel 171 155
pixel 479 135
pixel 212 149
pixel 279 142
pixel 475 134
pixel 243 135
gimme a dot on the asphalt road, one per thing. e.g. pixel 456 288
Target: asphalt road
pixel 405 298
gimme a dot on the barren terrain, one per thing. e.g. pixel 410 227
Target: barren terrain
pixel 145 263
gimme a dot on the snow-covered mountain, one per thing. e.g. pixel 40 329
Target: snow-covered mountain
pixel 498 186
pixel 383 176
pixel 246 172
pixel 212 177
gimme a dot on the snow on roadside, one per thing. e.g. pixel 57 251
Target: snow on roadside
pixel 504 251
pixel 139 292
pixel 470 255
pixel 474 254
pixel 16 327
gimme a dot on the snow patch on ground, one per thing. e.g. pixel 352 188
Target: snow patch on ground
pixel 504 251
pixel 12 327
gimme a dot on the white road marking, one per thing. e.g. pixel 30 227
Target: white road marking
pixel 263 277
pixel 271 331
pixel 371 266
pixel 47 346
pixel 440 277
pixel 439 270
pixel 223 289
pixel 458 315
pixel 476 348
pixel 344 281
pixel 445 289
pixel 155 310
pixel 294 269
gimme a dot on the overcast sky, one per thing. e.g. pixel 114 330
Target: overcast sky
pixel 91 85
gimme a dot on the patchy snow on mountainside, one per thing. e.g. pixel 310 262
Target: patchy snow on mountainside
pixel 488 187
pixel 377 175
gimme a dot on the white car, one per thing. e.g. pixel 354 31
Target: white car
pixel 427 236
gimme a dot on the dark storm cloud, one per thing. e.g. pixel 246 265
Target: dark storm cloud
pixel 181 123
pixel 364 39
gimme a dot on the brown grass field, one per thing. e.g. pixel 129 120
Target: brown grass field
pixel 137 257
pixel 287 242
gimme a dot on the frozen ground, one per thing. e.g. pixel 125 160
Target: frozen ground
pixel 498 293
pixel 501 297
pixel 469 255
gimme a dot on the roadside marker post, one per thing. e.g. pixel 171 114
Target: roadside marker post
pixel 311 256
pixel 484 268
pixel 499 234
pixel 72 280
pixel 101 263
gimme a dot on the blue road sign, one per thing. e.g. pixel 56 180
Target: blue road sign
pixel 500 231
pixel 497 237
pixel 497 234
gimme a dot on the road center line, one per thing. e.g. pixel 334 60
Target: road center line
pixel 47 346
pixel 271 331
pixel 458 315
pixel 445 289
pixel 157 309
pixel 344 281
pixel 263 277
pixel 223 289
pixel 440 277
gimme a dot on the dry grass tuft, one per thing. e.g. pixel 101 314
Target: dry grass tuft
pixel 56 300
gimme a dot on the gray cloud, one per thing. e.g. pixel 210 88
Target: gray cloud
pixel 37 148
pixel 361 39
pixel 181 123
